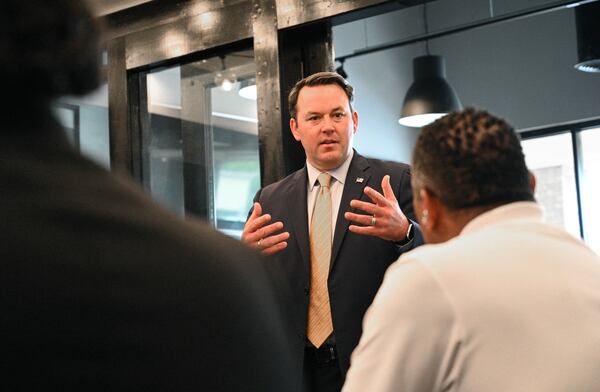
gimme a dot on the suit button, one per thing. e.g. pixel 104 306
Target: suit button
pixel 306 290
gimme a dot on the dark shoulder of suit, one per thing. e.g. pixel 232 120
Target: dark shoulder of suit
pixel 105 290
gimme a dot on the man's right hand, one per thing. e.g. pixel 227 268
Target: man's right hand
pixel 262 237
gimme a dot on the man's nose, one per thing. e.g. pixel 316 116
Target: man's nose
pixel 327 124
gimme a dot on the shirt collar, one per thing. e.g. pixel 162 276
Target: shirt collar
pixel 339 173
pixel 521 211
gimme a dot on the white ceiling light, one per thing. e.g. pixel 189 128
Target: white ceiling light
pixel 420 120
pixel 224 78
pixel 248 91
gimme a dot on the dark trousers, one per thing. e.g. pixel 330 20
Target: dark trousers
pixel 322 370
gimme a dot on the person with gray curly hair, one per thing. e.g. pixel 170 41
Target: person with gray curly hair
pixel 102 289
pixel 497 300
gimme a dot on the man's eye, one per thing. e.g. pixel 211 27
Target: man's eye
pixel 339 114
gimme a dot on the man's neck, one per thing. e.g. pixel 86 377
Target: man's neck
pixel 339 172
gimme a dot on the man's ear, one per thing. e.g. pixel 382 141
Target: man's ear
pixel 431 208
pixel 294 129
pixel 532 181
pixel 355 120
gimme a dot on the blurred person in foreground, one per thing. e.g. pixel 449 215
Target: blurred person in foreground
pixel 497 300
pixel 103 290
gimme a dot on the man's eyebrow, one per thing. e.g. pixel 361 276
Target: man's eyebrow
pixel 311 113
pixel 335 109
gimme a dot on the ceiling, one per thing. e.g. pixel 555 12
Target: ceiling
pixel 105 7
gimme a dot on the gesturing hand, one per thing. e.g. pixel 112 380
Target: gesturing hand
pixel 384 217
pixel 262 237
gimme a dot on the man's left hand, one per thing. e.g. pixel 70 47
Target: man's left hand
pixel 385 219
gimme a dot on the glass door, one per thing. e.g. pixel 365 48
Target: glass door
pixel 199 138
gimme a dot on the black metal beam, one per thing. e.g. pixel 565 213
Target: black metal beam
pixel 118 109
pixel 576 145
pixel 266 50
pixel 303 51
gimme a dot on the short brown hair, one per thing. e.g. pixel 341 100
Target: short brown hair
pixel 471 159
pixel 319 79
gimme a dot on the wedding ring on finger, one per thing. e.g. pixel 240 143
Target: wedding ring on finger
pixel 258 243
pixel 373 220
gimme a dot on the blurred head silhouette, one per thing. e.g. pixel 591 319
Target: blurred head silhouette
pixel 49 49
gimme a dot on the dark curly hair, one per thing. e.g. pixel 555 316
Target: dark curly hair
pixel 319 79
pixel 49 48
pixel 471 159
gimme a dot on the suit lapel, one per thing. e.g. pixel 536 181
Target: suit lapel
pixel 353 189
pixel 297 207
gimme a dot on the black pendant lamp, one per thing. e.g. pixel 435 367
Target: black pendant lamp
pixel 430 96
pixel 587 18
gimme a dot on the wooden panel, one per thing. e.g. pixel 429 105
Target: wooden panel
pixel 296 12
pixel 159 12
pixel 264 18
pixel 189 35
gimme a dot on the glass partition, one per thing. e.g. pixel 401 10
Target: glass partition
pixel 200 138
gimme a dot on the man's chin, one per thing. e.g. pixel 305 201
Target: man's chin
pixel 330 161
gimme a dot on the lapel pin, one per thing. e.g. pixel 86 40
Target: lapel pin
pixel 359 180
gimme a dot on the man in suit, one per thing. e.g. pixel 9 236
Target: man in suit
pixel 102 289
pixel 328 269
pixel 498 300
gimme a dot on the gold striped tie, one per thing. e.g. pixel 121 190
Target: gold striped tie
pixel 320 325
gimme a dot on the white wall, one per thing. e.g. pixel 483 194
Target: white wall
pixel 521 70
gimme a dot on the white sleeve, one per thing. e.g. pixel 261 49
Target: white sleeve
pixel 410 336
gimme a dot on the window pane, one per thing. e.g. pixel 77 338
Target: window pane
pixel 85 121
pixel 590 186
pixel 162 141
pixel 200 139
pixel 550 158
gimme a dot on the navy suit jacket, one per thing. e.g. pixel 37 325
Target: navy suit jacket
pixel 358 262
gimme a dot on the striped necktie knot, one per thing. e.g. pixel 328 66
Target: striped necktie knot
pixel 324 180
